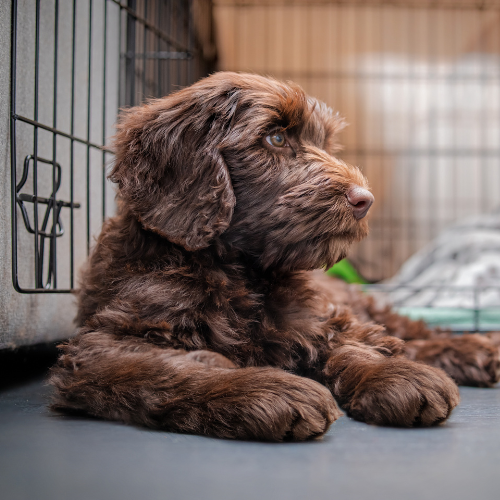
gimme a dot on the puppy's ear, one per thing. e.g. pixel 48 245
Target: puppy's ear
pixel 168 166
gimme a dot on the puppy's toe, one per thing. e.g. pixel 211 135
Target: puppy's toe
pixel 313 419
pixel 307 410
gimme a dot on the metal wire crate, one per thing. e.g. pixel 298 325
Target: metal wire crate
pixel 73 65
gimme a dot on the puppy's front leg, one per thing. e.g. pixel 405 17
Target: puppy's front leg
pixel 197 392
pixel 383 390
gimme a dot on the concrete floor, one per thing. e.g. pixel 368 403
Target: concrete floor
pixel 46 456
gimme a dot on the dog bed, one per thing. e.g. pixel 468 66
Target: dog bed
pixel 455 280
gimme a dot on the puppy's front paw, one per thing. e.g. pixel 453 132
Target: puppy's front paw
pixel 469 359
pixel 402 393
pixel 286 407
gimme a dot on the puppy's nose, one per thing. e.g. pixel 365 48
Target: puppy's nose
pixel 360 200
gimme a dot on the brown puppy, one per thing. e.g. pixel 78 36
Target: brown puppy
pixel 198 310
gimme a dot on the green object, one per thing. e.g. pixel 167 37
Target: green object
pixel 345 271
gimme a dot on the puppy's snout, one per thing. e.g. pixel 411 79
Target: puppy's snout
pixel 360 200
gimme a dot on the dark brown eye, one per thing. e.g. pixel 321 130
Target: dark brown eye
pixel 277 140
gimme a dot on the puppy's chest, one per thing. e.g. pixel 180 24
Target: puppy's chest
pixel 271 317
pixel 272 301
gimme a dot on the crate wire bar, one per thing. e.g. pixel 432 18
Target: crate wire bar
pixel 157 54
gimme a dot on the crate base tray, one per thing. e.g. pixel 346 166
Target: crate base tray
pixel 454 318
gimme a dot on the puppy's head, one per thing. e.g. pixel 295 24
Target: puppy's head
pixel 246 159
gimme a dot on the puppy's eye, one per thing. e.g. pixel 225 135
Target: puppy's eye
pixel 277 140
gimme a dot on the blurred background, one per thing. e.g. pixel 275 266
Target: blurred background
pixel 418 82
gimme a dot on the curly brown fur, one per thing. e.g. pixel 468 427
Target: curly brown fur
pixel 198 311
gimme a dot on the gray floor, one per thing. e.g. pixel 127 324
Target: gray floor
pixel 43 456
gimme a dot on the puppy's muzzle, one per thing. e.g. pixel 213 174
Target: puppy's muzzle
pixel 360 200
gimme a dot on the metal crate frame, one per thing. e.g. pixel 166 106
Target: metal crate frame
pixel 133 21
